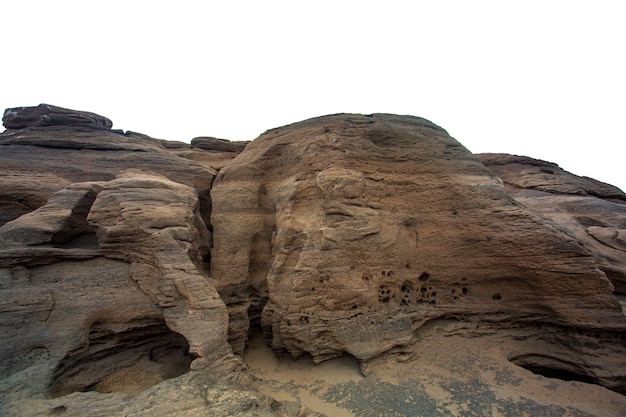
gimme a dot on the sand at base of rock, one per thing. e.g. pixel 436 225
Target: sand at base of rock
pixel 449 376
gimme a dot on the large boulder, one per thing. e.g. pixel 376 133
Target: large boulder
pixel 348 233
pixel 218 145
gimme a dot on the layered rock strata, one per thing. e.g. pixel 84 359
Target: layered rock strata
pixel 46 115
pixel 104 268
pixel 590 210
pixel 347 233
pixel 372 236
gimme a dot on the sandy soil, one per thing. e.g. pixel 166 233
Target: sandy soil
pixel 448 376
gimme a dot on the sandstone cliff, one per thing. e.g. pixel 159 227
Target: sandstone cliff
pixel 348 233
pixel 592 211
pixel 372 237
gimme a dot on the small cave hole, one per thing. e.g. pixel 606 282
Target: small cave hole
pixel 424 276
pixel 496 297
pixel 384 295
pixel 84 241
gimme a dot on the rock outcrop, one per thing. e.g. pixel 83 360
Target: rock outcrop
pixel 218 145
pixel 46 115
pixel 591 211
pixel 140 268
pixel 104 268
pixel 348 233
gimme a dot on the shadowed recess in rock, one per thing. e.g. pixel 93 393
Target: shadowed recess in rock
pixel 128 360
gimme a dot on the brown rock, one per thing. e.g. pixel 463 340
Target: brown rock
pixel 103 155
pixel 160 220
pixel 591 211
pixel 114 279
pixel 81 138
pixel 375 236
pixel 351 232
pixel 22 191
pixel 62 219
pixel 46 115
pixel 218 145
pixel 525 173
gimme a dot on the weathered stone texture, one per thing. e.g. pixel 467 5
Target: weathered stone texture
pixel 46 115
pixel 591 211
pixel 104 269
pixel 350 232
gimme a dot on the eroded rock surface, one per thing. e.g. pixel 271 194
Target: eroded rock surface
pixel 348 233
pixel 104 269
pixel 218 145
pixel 46 115
pixel 128 277
pixel 106 274
pixel 590 210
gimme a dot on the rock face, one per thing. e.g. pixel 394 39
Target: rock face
pixel 218 145
pixel 126 258
pixel 46 115
pixel 592 211
pixel 347 233
pixel 104 269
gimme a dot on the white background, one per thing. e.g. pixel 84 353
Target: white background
pixel 544 79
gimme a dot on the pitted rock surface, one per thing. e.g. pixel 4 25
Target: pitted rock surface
pixel 347 233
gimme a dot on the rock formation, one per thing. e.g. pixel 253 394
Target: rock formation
pixel 104 266
pixel 592 211
pixel 46 115
pixel 126 257
pixel 348 233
